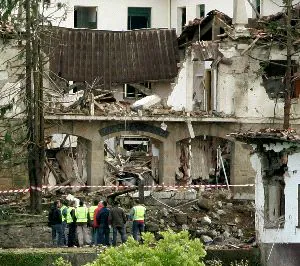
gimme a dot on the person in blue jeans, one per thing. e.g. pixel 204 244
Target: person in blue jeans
pixel 103 230
pixel 137 215
pixel 118 220
pixel 55 221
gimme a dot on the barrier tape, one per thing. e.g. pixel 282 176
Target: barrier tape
pixel 41 189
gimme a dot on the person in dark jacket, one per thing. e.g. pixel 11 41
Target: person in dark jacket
pixel 55 221
pixel 118 219
pixel 102 221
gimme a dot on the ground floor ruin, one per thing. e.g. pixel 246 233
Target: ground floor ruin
pixel 168 152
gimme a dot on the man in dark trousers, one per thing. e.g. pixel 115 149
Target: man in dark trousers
pixel 71 223
pixel 137 215
pixel 55 221
pixel 102 221
pixel 117 219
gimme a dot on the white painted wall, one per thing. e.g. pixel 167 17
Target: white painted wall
pixel 112 14
pixel 178 97
pixel 290 233
pixel 239 86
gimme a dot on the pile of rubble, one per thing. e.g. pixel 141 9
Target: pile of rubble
pixel 6 27
pixel 131 170
pixel 92 101
pixel 268 133
pixel 213 217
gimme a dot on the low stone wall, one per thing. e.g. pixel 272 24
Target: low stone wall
pixel 25 235
pixel 79 257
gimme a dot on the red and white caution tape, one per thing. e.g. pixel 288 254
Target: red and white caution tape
pixel 43 188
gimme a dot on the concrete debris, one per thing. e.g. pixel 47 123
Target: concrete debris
pixel 267 133
pixel 206 239
pixel 217 233
pixel 61 169
pixel 6 27
pixel 129 170
pixel 185 227
pixel 235 227
pixel 146 102
pixel 204 204
pixel 96 101
pixel 205 220
pixel 181 218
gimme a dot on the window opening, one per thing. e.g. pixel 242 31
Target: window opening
pixel 85 17
pixel 139 18
pixel 200 11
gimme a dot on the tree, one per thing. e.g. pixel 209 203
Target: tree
pixel 284 33
pixel 34 61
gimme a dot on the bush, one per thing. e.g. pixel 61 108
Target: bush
pixel 174 249
pixel 61 262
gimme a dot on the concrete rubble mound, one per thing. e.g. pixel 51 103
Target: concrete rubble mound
pixel 210 215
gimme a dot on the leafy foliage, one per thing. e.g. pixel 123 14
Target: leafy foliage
pixel 61 262
pixel 174 249
pixel 240 263
pixel 7 7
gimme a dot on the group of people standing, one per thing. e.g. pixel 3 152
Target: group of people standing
pixel 91 225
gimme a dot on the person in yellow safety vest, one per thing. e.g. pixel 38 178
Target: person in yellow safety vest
pixel 137 215
pixel 81 214
pixel 71 224
pixel 91 221
pixel 63 210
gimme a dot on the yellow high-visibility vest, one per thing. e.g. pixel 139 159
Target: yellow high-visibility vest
pixel 91 211
pixel 81 214
pixel 139 213
pixel 69 217
pixel 61 210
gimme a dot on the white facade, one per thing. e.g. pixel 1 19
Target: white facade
pixel 240 89
pixel 290 231
pixel 112 14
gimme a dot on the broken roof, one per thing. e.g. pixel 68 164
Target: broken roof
pixel 113 57
pixel 205 24
pixel 267 135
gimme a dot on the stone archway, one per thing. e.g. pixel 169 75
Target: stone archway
pixel 118 134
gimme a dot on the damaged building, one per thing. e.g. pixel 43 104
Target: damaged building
pixel 147 101
pixel 131 115
pixel 275 159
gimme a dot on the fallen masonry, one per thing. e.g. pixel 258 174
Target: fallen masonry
pixel 211 215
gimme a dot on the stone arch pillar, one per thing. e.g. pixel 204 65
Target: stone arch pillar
pixel 95 162
pixel 168 161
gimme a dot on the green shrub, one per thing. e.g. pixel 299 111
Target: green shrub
pixel 213 263
pixel 174 249
pixel 240 263
pixel 61 262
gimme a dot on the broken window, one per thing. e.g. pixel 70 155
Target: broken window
pixel 139 18
pixel 130 143
pixel 257 6
pixel 200 11
pixel 273 79
pixel 85 17
pixel 136 91
pixel 274 169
